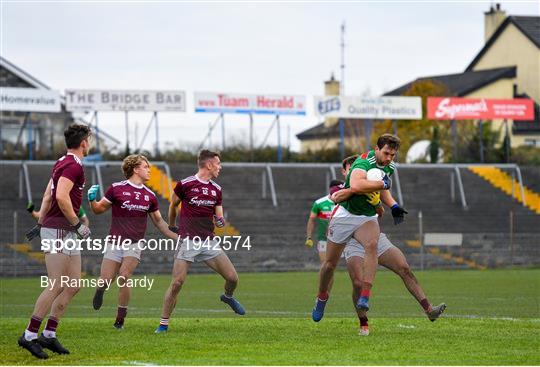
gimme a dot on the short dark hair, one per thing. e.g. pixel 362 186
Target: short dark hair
pixel 335 183
pixel 392 141
pixel 349 161
pixel 205 155
pixel 75 133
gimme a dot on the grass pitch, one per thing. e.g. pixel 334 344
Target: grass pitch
pixel 493 318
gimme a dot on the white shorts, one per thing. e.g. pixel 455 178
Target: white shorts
pixel 198 251
pixel 343 224
pixel 321 246
pixel 59 238
pixel 354 248
pixel 115 253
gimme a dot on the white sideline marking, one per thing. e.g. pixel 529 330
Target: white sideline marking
pixel 295 313
pixel 137 363
pixel 406 326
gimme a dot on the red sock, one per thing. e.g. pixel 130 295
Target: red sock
pixel 121 313
pixel 52 324
pixel 425 305
pixel 363 321
pixel 365 293
pixel 34 324
pixel 323 296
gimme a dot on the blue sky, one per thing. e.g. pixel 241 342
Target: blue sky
pixel 278 48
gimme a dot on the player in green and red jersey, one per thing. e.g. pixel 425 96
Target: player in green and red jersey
pixel 320 214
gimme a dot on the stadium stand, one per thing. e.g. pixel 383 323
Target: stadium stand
pixel 277 233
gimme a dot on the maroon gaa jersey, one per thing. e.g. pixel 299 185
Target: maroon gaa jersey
pixel 199 200
pixel 130 207
pixel 70 167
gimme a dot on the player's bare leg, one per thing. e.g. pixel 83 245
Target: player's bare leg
pixel 368 236
pixel 128 266
pixel 394 260
pixel 326 277
pixel 109 269
pixel 72 269
pixel 222 265
pixel 354 266
pixel 322 258
pixel 179 275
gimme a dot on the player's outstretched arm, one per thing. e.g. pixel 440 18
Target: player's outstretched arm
pixel 309 229
pixel 173 210
pixel 97 206
pixel 162 226
pixel 360 185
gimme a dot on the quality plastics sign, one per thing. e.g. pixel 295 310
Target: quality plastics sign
pixel 380 108
pixel 448 108
pixel 250 103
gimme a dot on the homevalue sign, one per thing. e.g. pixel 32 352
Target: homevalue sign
pixel 29 100
pixel 449 108
pixel 125 100
pixel 380 108
pixel 249 103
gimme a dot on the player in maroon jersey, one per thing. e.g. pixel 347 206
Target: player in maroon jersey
pixel 58 223
pixel 131 202
pixel 201 207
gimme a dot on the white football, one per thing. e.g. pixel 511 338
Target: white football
pixel 375 174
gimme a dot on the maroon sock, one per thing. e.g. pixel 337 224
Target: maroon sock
pixel 121 314
pixel 52 324
pixel 363 321
pixel 323 296
pixel 425 305
pixel 34 324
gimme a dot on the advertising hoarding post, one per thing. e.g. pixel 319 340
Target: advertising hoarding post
pixel 481 132
pixel 455 141
pixel 127 132
pixel 29 127
pixel 251 136
pixel 279 151
pixel 97 132
pixel 157 133
pixel 222 116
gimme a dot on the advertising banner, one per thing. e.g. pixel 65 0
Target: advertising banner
pixel 125 100
pixel 249 103
pixel 449 108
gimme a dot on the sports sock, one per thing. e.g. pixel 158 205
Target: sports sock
pixel 50 328
pixel 121 313
pixel 33 328
pixel 425 305
pixel 363 321
pixel 163 322
pixel 323 296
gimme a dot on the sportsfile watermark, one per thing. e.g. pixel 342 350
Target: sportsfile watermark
pixel 113 242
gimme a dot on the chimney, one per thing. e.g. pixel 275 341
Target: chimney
pixel 331 87
pixel 492 20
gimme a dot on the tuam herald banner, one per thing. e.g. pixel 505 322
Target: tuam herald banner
pixel 450 108
pixel 379 108
pixel 250 103
pixel 82 100
pixel 29 100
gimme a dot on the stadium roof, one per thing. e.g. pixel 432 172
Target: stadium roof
pixel 463 83
pixel 33 82
pixel 528 25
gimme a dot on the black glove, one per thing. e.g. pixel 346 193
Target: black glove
pixel 173 229
pixel 34 232
pixel 30 207
pixel 398 214
pixel 387 182
pixel 82 231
